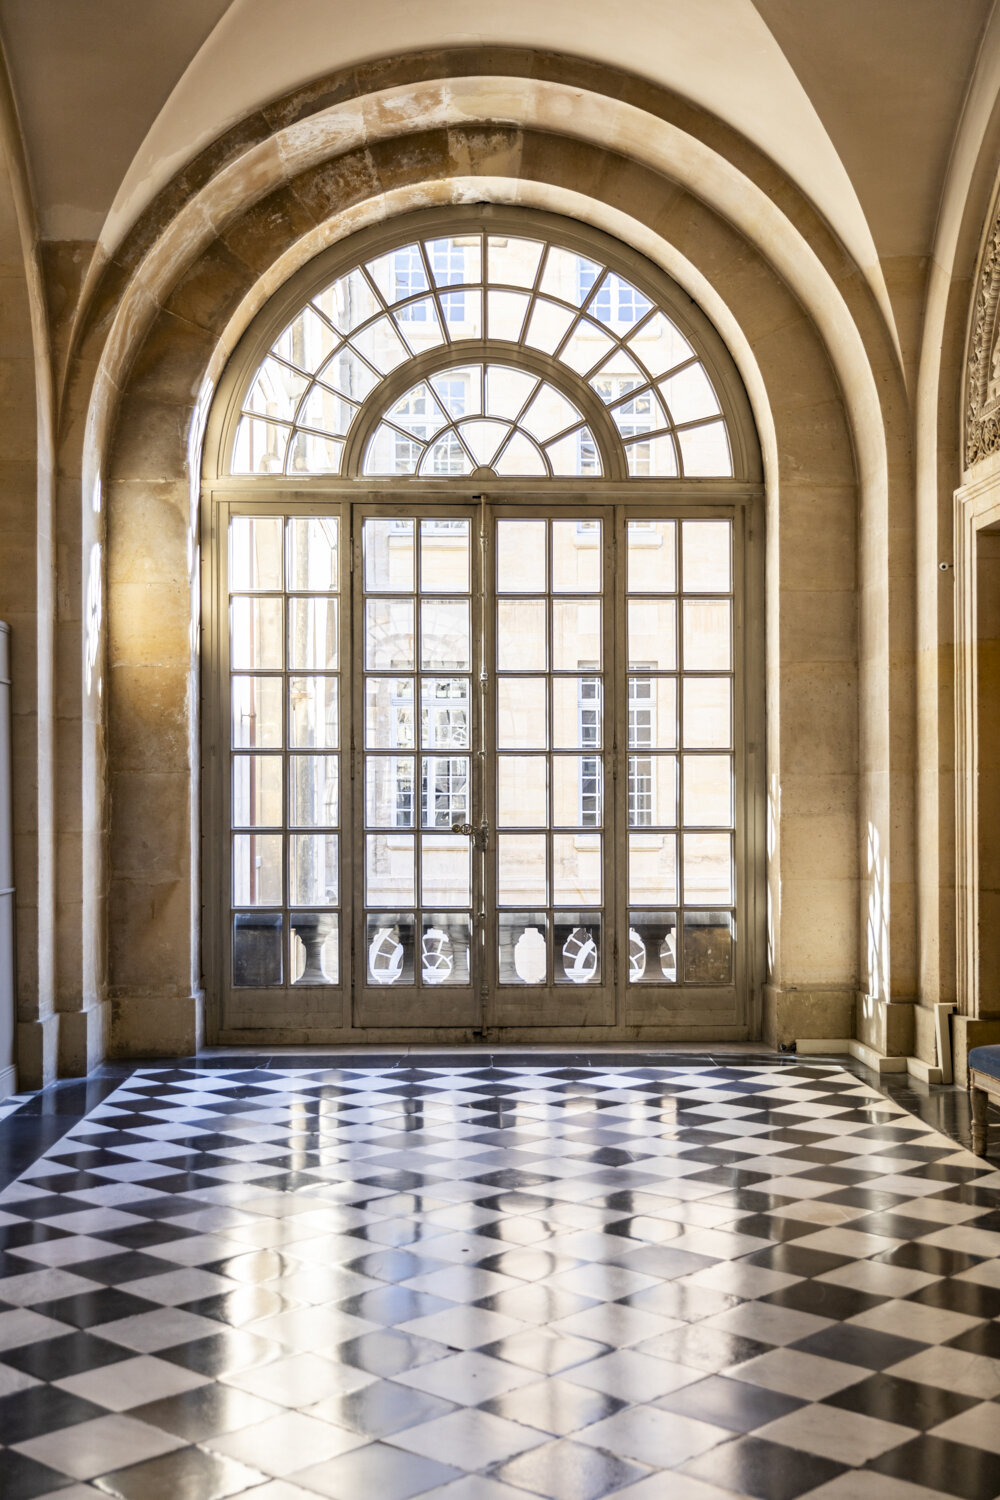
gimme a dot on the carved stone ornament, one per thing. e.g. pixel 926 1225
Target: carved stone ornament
pixel 982 415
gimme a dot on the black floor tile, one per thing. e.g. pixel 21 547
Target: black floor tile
pixel 734 1404
pixel 765 1470
pixel 953 1468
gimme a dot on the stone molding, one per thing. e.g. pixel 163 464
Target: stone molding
pixel 977 505
pixel 982 413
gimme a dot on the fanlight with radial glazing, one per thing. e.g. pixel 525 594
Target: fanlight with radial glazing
pixel 515 292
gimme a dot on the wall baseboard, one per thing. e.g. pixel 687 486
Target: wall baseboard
pixel 8 1081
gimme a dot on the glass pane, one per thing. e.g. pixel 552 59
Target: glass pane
pixel 256 712
pixel 315 947
pixel 444 713
pixel 349 374
pixel 576 791
pixel 507 391
pixel 276 391
pixel 708 714
pixel 399 274
pixel 652 713
pixel 483 438
pixel 708 947
pixel 313 877
pixel 689 395
pixel 521 557
pixel 255 552
pixel 523 947
pixel 445 635
pixel 652 564
pixel 547 325
pixel 520 457
pixel 389 635
pixel 255 633
pixel 463 314
pixel 575 454
pixel 705 451
pixel 652 457
pixel 568 275
pixel 381 345
pixel 652 633
pixel 521 635
pixel 312 633
pixel 586 345
pixel 708 791
pixel 707 635
pixel 348 302
pixel 576 713
pixel 389 550
pixel 257 869
pixel 505 315
pixel 521 877
pixel 326 412
pixel 389 799
pixel 418 412
pixel 420 325
pixel 513 262
pixel 312 553
pixel 257 942
pixel 312 454
pixel 446 456
pixel 389 869
pixel 652 947
pixel 652 791
pixel 521 713
pixel 652 868
pixel 577 942
pixel 314 791
pixel 444 791
pixel 549 414
pixel 312 713
pixel 460 390
pixel 659 345
pixel 444 556
pixel 445 869
pixel 705 546
pixel 455 261
pixel 619 304
pixel 521 791
pixel 306 342
pixel 257 800
pixel 576 557
pixel 389 713
pixel 707 868
pixel 389 941
pixel 576 634
pixel 259 447
pixel 445 948
pixel 576 869
pixel 389 452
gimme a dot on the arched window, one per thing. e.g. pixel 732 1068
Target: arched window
pixel 479 518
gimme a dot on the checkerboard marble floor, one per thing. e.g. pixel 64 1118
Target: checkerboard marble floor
pixel 470 1282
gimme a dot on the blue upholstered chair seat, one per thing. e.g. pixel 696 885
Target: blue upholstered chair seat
pixel 986 1060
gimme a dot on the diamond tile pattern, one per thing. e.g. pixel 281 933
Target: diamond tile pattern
pixel 478 1280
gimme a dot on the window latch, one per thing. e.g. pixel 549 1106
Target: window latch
pixel 479 836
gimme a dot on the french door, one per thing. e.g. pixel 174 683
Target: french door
pixel 481 765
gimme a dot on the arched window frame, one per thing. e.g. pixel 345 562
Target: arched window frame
pixel 340 259
pixel 352 489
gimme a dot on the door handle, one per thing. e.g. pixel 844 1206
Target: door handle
pixel 479 836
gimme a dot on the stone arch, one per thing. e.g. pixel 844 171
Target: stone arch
pixel 818 363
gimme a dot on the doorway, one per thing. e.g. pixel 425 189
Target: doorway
pixel 486 768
